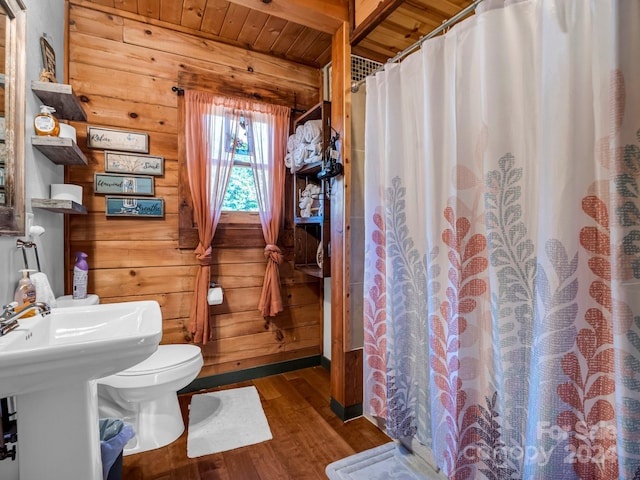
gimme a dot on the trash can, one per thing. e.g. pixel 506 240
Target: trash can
pixel 114 435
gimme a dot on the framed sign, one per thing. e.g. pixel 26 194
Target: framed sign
pixel 134 207
pixel 122 184
pixel 48 58
pixel 110 139
pixel 121 162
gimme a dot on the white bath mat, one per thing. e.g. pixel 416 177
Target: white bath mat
pixel 224 420
pixel 386 462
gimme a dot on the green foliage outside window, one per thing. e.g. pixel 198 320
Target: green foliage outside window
pixel 241 191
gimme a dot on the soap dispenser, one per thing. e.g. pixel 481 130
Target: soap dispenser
pixel 26 291
pixel 45 124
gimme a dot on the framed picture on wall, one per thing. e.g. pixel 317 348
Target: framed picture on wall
pixel 111 139
pixel 111 183
pixel 122 162
pixel 134 207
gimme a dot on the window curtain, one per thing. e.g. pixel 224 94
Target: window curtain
pixel 209 163
pixel 502 227
pixel 270 127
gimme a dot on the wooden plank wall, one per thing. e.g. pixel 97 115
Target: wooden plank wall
pixel 123 69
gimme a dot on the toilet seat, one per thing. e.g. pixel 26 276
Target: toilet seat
pixel 168 364
pixel 166 357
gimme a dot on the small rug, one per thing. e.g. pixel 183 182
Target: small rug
pixel 386 462
pixel 224 420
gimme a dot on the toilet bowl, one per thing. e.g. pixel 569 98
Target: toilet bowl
pixel 145 395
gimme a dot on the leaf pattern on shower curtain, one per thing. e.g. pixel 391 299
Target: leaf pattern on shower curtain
pixel 512 256
pixel 375 322
pixel 467 259
pixel 631 427
pixel 554 336
pixel 628 190
pixel 407 379
pixel 590 368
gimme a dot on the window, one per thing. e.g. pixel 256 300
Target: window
pixel 241 190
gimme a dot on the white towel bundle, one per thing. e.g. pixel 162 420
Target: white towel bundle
pixel 305 145
pixel 313 131
pixel 43 288
pixel 300 155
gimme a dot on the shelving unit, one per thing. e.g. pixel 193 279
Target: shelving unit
pixel 61 97
pixel 59 206
pixel 312 234
pixel 60 150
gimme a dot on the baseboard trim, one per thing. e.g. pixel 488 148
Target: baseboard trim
pixel 213 381
pixel 345 413
pixel 326 363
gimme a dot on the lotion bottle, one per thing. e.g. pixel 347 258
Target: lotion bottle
pixel 80 276
pixel 45 123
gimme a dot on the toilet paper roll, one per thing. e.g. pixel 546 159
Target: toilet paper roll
pixel 66 191
pixel 67 131
pixel 214 297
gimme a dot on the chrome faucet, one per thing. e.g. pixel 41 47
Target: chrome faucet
pixel 11 314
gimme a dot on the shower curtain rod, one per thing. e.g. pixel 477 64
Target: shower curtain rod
pixel 456 18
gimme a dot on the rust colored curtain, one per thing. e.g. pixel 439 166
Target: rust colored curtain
pixel 209 164
pixel 269 131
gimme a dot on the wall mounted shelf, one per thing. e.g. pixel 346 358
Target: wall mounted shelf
pixel 312 234
pixel 59 206
pixel 61 97
pixel 60 150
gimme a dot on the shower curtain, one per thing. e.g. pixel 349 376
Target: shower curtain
pixel 502 271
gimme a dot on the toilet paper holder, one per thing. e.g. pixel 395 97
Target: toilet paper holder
pixel 214 295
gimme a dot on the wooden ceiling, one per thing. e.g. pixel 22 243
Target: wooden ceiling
pixel 396 25
pixel 296 30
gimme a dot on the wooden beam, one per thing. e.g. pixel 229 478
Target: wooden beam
pixel 382 11
pixel 323 15
pixel 346 364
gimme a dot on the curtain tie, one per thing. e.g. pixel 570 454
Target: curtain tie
pixel 203 255
pixel 272 252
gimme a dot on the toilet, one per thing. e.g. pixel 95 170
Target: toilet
pixel 146 395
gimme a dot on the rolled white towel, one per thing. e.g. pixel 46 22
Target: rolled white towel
pixel 288 160
pixel 300 155
pixel 314 148
pixel 313 131
pixel 299 134
pixel 313 159
pixel 43 288
pixel 292 142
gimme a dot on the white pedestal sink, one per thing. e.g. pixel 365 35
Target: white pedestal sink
pixel 49 363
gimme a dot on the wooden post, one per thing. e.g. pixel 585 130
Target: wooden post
pixel 346 364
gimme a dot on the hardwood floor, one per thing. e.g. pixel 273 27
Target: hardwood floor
pixel 307 436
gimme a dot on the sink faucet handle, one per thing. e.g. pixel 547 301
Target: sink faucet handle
pixel 10 306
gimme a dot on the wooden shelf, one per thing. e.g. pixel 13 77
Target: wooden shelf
pixel 309 168
pixel 312 270
pixel 309 220
pixel 61 97
pixel 59 206
pixel 312 233
pixel 60 150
